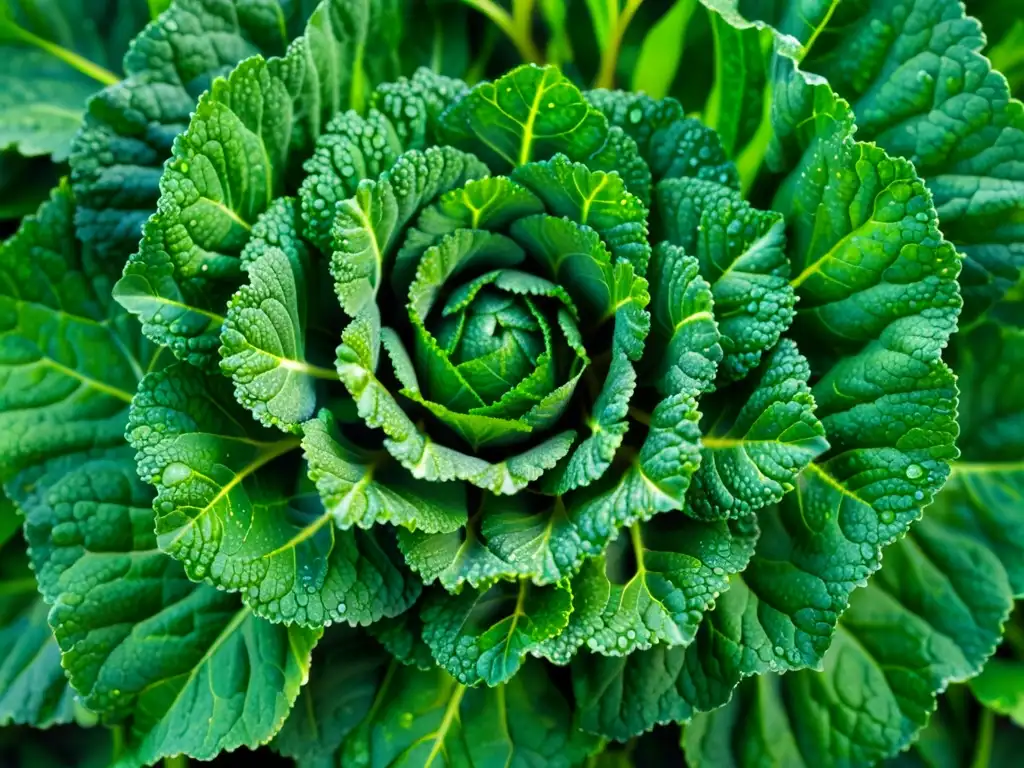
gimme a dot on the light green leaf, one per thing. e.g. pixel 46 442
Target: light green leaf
pixel 424 458
pixel 594 198
pixel 548 541
pixel 427 718
pixel 679 568
pixel 490 203
pixel 735 108
pixel 233 506
pixel 670 453
pixel 349 670
pixel 367 227
pixel 484 635
pixel 590 592
pixel 684 328
pixel 263 341
pixel 361 488
pixel 457 558
pixel 593 456
pixel 574 256
pixel 662 50
pixel 1000 687
pixel 531 113
pixel 42 102
pixel 755 448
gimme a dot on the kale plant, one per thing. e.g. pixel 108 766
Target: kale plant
pixel 444 424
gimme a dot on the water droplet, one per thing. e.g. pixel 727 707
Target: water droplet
pixel 175 473
pixel 914 471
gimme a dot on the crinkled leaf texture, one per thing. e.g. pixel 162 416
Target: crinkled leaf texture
pixel 502 372
pixel 919 86
pixel 932 616
pixel 878 301
pixel 188 668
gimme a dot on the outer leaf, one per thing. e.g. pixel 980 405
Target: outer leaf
pixel 231 506
pixel 33 689
pixel 349 670
pixel 998 688
pixel 484 635
pixel 735 105
pixel 426 718
pixel 42 102
pixel 935 100
pixel 530 113
pixel 244 140
pixel 212 192
pixel 662 50
pixel 402 637
pixel 982 499
pixel 850 204
pixel 931 616
pixel 58 52
pixel 116 159
pixel 130 127
pixel 195 672
pixel 69 358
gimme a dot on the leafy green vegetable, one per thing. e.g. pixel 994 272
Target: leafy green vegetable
pixel 582 411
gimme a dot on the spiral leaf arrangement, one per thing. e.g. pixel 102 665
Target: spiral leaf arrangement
pixel 561 394
pixel 514 370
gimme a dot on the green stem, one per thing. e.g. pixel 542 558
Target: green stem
pixel 517 30
pixel 983 749
pixel 82 64
pixel 116 743
pixel 750 159
pixel 618 23
pixel 176 761
pixel 819 29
